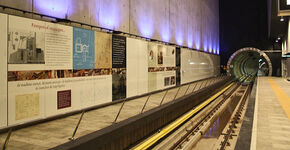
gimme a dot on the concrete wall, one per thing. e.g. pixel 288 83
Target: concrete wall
pixel 192 23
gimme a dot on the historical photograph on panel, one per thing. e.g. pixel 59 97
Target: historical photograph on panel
pixel 119 83
pixel 83 49
pixel 166 81
pixel 172 80
pixel 160 55
pixel 103 50
pixel 152 55
pixel 25 47
pixel 27 106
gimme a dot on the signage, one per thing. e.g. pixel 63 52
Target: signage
pixel 283 7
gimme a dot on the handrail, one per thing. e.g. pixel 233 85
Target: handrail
pixel 77 126
pixel 163 97
pixel 7 139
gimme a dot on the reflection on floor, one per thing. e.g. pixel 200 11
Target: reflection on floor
pixel 211 136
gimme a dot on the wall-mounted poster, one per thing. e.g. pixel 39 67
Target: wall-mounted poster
pixel 3 70
pixel 83 49
pixel 103 50
pixel 38 45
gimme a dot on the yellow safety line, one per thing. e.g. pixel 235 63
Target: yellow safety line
pixel 175 124
pixel 282 96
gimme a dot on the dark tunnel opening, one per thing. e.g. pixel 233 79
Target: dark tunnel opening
pixel 249 62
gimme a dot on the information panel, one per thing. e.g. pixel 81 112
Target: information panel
pixel 38 45
pixel 119 51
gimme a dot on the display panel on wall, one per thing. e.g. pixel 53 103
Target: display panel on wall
pixel 38 45
pixel 119 67
pixel 53 69
pixel 3 70
pixel 162 66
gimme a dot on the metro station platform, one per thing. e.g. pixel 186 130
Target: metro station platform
pixel 266 125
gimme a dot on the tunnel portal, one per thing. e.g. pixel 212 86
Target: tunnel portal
pixel 249 62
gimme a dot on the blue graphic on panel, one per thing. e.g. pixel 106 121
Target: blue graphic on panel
pixel 83 49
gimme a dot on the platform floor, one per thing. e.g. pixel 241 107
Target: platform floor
pixel 271 125
pixel 53 133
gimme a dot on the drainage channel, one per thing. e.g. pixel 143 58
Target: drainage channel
pixel 203 130
pixel 211 137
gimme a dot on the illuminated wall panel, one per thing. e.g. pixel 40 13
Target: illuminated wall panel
pixel 197 65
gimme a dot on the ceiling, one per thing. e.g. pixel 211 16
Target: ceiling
pixel 249 23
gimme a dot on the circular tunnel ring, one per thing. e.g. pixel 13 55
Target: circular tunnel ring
pixel 250 49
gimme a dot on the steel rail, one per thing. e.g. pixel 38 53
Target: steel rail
pixel 150 142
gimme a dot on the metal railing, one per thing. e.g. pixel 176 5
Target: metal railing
pixel 203 84
pixel 187 91
pixel 5 145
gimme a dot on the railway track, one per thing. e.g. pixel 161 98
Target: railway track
pixel 186 131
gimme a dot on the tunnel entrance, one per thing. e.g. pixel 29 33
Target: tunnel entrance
pixel 249 61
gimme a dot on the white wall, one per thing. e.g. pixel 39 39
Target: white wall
pixel 137 67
